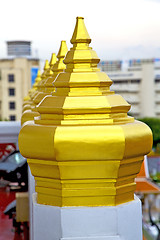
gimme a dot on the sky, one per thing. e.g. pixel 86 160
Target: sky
pixel 119 29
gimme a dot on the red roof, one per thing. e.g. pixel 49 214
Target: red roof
pixel 143 183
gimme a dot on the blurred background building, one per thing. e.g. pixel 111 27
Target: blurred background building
pixel 17 74
pixel 138 81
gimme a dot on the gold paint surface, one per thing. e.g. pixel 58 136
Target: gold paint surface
pixel 83 149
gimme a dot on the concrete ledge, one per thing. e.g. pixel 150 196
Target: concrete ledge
pixel 94 238
pixel 9 131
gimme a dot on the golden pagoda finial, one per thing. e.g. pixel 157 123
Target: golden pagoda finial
pixel 34 87
pixel 49 71
pixel 53 60
pixel 59 66
pixel 48 74
pixel 28 114
pixel 81 57
pixel 84 138
pixel 46 67
pixel 27 98
pixel 80 33
pixel 62 50
pixel 43 75
pixel 82 78
pixel 38 78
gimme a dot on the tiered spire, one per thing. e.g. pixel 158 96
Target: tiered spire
pixel 49 71
pixel 58 67
pixel 87 151
pixel 48 74
pixel 80 33
pixel 30 111
pixel 37 80
pixel 28 115
pixel 28 100
pixel 89 88
pixel 53 60
pixel 44 75
pixel 29 106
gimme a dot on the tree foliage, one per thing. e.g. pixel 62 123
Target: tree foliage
pixel 154 124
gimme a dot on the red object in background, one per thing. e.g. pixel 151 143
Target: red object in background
pixel 6 148
pixel 7 231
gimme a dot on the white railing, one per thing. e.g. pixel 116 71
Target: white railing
pixel 9 132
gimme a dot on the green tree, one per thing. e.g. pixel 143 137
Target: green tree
pixel 154 124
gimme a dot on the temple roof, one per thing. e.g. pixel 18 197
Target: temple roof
pixel 143 181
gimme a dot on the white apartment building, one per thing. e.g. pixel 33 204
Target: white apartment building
pixel 16 78
pixel 138 81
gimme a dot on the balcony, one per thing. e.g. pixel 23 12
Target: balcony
pixel 157 87
pixel 125 87
pixel 157 108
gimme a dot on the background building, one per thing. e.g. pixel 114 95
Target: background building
pixel 19 48
pixel 17 73
pixel 138 81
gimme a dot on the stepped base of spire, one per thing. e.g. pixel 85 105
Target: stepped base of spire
pixel 29 115
pixel 47 198
pixel 39 97
pixel 85 183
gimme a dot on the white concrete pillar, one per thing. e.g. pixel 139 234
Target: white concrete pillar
pixel 122 222
pixel 31 189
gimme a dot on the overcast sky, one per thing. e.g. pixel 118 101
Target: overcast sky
pixel 119 29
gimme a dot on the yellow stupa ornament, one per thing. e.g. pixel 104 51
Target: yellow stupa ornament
pixel 38 97
pixel 53 60
pixel 28 99
pixel 29 104
pixel 43 77
pixel 40 94
pixel 83 149
pixel 29 111
pixel 37 80
pixel 56 68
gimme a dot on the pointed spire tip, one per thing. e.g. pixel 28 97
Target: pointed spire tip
pixel 79 17
pixel 62 50
pixel 80 34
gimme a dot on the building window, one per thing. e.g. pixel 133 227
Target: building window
pixel 12 105
pixel 135 81
pixel 12 118
pixel 10 77
pixel 11 92
pixel 157 80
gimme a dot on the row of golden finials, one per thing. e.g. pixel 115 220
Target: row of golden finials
pixel 82 147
